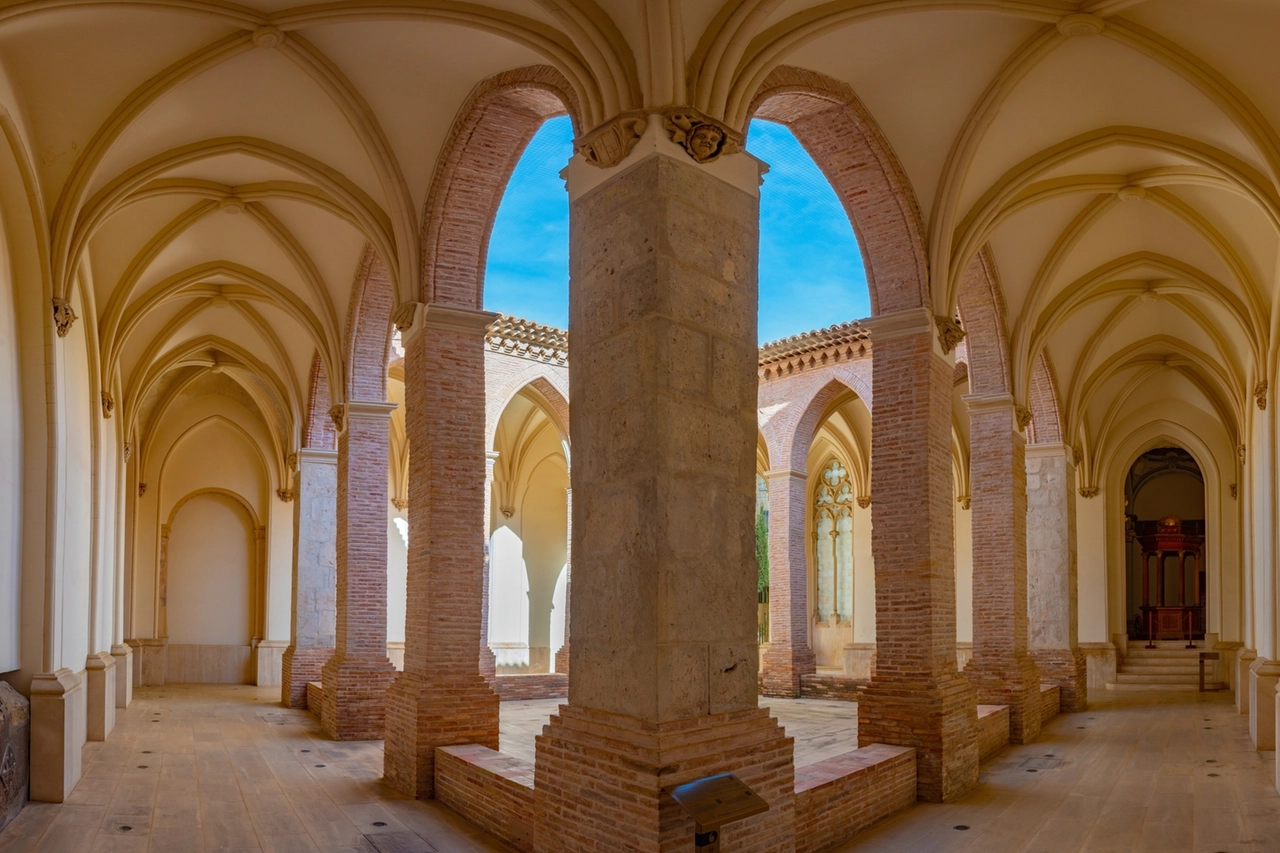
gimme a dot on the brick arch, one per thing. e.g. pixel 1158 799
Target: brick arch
pixel 844 140
pixel 1046 413
pixel 368 349
pixel 798 439
pixel 982 312
pixel 318 431
pixel 542 379
pixel 490 133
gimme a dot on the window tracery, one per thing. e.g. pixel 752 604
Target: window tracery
pixel 833 542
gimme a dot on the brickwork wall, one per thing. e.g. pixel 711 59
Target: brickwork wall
pixel 982 310
pixel 1049 704
pixel 789 657
pixel 1046 425
pixel 491 790
pixel 356 677
pixel 441 698
pixel 840 797
pixel 369 329
pixel 554 685
pixel 916 697
pixel 831 687
pixel 993 730
pixel 318 433
pixel 1001 669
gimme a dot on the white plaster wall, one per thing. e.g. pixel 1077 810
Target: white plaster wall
pixel 279 586
pixel 864 578
pixel 75 542
pixel 544 523
pixel 211 545
pixel 10 475
pixel 397 575
pixel 1091 578
pixel 964 575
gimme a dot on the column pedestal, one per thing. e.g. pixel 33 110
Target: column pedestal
pixel 442 698
pixel 916 697
pixel 100 684
pixel 123 655
pixel 314 603
pixel 789 656
pixel 356 678
pixel 1264 677
pixel 57 734
pixel 1244 664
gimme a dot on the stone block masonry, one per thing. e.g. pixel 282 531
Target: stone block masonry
pixel 314 603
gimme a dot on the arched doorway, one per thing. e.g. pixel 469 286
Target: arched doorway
pixel 1166 573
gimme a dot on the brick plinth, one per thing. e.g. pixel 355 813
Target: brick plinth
pixel 313 605
pixel 916 697
pixel 299 667
pixel 842 796
pixel 993 730
pixel 602 781
pixel 789 658
pixel 357 676
pixel 442 698
pixel 554 685
pixel 492 790
pixel 1067 670
pixel 1001 669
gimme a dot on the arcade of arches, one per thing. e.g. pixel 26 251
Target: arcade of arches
pixel 257 427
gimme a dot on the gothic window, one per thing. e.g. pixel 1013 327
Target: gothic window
pixel 833 543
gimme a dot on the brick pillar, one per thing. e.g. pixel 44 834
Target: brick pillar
pixel 1052 597
pixel 488 662
pixel 663 684
pixel 916 697
pixel 315 578
pixel 356 677
pixel 441 698
pixel 789 655
pixel 1001 669
pixel 562 655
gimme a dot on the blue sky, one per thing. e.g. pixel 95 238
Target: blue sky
pixel 810 269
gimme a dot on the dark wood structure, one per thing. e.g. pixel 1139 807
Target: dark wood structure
pixel 1166 612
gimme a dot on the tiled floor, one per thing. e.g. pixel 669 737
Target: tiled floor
pixel 203 769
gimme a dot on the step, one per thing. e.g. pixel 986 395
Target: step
pixel 1127 678
pixel 1208 685
pixel 1139 651
pixel 1192 671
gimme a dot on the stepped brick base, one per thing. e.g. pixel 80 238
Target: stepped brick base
pixel 938 718
pixel 1068 669
pixel 355 697
pixel 602 780
pixel 298 667
pixel 1013 682
pixel 423 714
pixel 841 688
pixel 783 670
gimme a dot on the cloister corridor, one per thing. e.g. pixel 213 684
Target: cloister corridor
pixel 204 768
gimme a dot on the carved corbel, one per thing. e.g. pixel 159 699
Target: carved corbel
pixel 338 414
pixel 864 501
pixel 142 489
pixel 285 495
pixel 63 315
pixel 1024 416
pixel 128 451
pixel 1240 453
pixel 1235 491
pixel 1260 394
pixel 403 316
pixel 108 404
pixel 1077 455
pixel 291 461
pixel 704 138
pixel 400 504
pixel 507 511
pixel 965 501
pixel 1089 492
pixel 950 333
pixel 610 143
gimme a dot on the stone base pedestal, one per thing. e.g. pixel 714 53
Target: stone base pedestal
pixel 57 734
pixel 784 665
pixel 123 655
pixel 15 752
pixel 268 664
pixel 1015 683
pixel 152 662
pixel 860 660
pixel 423 714
pixel 938 718
pixel 297 667
pixel 1068 669
pixel 602 780
pixel 1244 660
pixel 1264 677
pixel 355 697
pixel 100 682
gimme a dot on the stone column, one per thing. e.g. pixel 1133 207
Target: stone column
pixel 315 577
pixel 1001 670
pixel 562 655
pixel 1052 593
pixel 1244 660
pixel 789 656
pixel 1264 679
pixel 488 662
pixel 917 697
pixel 356 677
pixel 441 698
pixel 663 684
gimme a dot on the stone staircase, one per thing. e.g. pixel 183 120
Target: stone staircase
pixel 1170 666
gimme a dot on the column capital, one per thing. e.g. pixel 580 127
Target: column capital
pixel 1051 449
pixel 779 473
pixel 316 456
pixel 988 402
pixel 899 324
pixel 456 318
pixel 583 174
pixel 369 410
